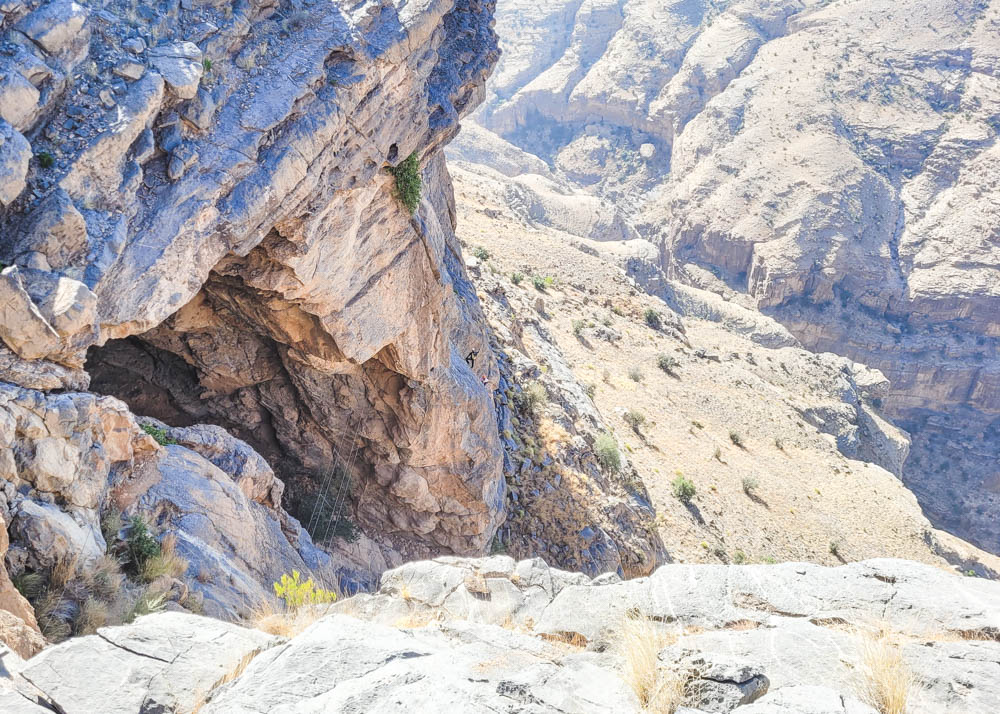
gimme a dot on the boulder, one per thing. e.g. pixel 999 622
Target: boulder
pixel 162 663
pixel 180 64
pixel 18 99
pixel 15 152
pixel 56 229
pixel 22 326
pixel 18 628
pixel 57 27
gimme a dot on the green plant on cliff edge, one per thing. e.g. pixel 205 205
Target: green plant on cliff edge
pixel 408 185
pixel 160 435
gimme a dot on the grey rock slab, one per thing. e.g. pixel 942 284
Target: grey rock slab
pixel 18 99
pixel 15 153
pixel 343 664
pixel 166 662
pixel 55 26
pixel 22 326
pixel 180 63
pixel 807 699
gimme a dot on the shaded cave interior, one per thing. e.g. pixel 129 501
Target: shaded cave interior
pixel 235 377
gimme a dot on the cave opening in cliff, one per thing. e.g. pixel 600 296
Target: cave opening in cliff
pixel 248 402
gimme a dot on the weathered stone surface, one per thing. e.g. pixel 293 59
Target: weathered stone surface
pixel 454 667
pixel 18 99
pixel 22 326
pixel 466 635
pixel 56 229
pixel 181 67
pixel 18 629
pixel 57 27
pixel 15 152
pixel 163 663
pixel 235 547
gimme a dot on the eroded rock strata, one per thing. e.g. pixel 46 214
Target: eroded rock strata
pixel 198 219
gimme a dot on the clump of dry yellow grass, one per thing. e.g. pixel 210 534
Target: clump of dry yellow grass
pixel 285 623
pixel 639 642
pixel 885 681
pixel 167 562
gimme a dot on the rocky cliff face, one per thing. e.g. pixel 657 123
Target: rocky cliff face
pixel 832 161
pixel 198 219
pixel 505 636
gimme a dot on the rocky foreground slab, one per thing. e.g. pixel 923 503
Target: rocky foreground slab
pixel 502 636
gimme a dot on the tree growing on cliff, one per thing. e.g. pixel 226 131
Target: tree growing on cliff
pixel 408 184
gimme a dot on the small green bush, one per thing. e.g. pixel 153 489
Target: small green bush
pixel 667 363
pixel 635 419
pixel 297 594
pixel 533 396
pixel 835 548
pixel 542 283
pixel 516 278
pixel 159 434
pixel 408 184
pixel 739 557
pixel 206 64
pixel 734 436
pixel 481 254
pixel 606 451
pixel 684 489
pixel 578 326
pixel 749 485
pixel 140 544
pixel 653 318
pixel 45 159
pixel 635 374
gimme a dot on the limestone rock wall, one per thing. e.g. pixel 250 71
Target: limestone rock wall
pixel 197 217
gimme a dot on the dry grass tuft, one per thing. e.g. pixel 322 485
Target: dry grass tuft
pixel 286 623
pixel 93 613
pixel 166 562
pixel 639 643
pixel 885 679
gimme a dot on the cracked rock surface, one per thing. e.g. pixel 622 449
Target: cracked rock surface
pixel 499 635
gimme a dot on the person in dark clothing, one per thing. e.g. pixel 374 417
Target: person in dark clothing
pixel 470 359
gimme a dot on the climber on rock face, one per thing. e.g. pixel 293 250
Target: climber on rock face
pixel 470 359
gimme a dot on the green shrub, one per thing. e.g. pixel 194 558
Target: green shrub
pixel 652 318
pixel 590 389
pixel 667 363
pixel 159 434
pixel 835 548
pixel 734 436
pixel 408 184
pixel 140 545
pixel 516 278
pixel 684 489
pixel 533 396
pixel 45 159
pixel 635 374
pixel 739 557
pixel 635 419
pixel 578 326
pixel 606 451
pixel 749 485
pixel 206 64
pixel 542 283
pixel 481 254
pixel 297 594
